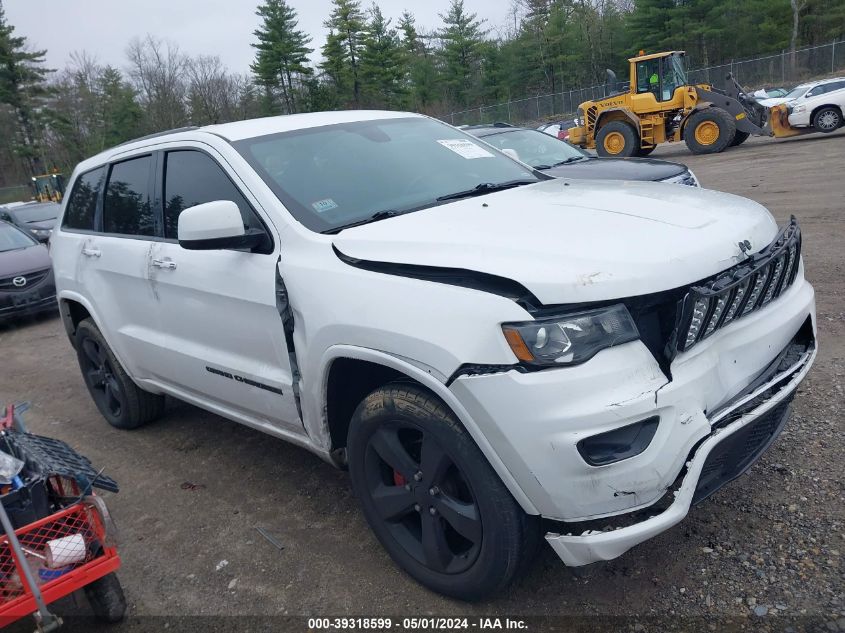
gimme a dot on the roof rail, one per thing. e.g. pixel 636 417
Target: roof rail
pixel 157 134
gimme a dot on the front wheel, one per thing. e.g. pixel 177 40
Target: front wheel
pixel 106 598
pixel 827 120
pixel 617 139
pixel 431 497
pixel 709 131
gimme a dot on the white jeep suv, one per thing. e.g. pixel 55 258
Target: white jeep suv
pixel 495 355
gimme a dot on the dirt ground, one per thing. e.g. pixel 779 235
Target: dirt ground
pixel 764 552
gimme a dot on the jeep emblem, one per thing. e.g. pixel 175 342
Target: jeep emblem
pixel 19 282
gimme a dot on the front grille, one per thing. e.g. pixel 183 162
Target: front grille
pixel 30 280
pixel 742 289
pixel 737 452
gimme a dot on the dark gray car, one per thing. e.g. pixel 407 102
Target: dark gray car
pixel 562 160
pixel 26 274
pixel 36 218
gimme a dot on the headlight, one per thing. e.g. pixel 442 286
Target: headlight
pixel 799 108
pixel 685 178
pixel 42 233
pixel 570 339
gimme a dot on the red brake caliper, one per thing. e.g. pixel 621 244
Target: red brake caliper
pixel 398 479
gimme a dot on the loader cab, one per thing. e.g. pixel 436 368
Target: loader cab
pixel 659 74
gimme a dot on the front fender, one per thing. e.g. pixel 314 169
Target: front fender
pixel 430 379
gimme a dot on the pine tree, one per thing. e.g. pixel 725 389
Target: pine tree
pixel 381 62
pixel 120 112
pixel 346 24
pixel 282 52
pixel 418 62
pixel 462 37
pixel 22 87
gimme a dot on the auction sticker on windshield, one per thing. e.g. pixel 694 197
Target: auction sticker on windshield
pixel 465 148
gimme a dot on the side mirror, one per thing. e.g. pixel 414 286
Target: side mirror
pixel 214 226
pixel 511 152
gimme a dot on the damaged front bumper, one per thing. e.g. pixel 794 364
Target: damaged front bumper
pixel 536 421
pixel 724 455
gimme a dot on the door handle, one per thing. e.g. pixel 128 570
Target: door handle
pixel 164 263
pixel 91 252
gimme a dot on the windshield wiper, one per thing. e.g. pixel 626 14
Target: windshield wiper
pixel 485 187
pixel 571 159
pixel 375 217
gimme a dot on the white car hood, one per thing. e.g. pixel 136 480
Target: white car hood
pixel 570 241
pixel 773 101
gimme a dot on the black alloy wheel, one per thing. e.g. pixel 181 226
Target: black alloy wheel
pixel 423 497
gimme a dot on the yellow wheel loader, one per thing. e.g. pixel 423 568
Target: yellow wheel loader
pixel 660 106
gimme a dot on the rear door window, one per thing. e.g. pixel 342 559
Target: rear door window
pixel 192 178
pixel 126 206
pixel 82 203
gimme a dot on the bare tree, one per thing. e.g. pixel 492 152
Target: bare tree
pixel 212 92
pixel 159 72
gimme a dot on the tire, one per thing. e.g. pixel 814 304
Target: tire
pixel 645 151
pixel 828 119
pixel 121 402
pixel 418 475
pixel 106 598
pixel 617 139
pixel 709 131
pixel 739 138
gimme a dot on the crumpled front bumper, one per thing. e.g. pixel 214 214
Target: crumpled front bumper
pixel 591 547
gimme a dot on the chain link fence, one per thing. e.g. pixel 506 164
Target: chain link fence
pixel 783 69
pixel 15 194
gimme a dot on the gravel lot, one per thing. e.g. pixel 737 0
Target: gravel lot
pixel 764 553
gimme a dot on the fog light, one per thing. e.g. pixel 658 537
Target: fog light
pixel 618 444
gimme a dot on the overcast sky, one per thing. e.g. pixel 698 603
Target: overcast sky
pixel 221 27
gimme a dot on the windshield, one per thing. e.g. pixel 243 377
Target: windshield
pixel 12 239
pixel 336 175
pixel 796 92
pixel 36 213
pixel 539 150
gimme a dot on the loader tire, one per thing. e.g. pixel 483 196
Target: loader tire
pixel 740 138
pixel 617 139
pixel 709 131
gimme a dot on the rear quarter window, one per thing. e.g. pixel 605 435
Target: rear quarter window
pixel 82 203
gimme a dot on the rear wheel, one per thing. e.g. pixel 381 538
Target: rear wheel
pixel 123 404
pixel 617 139
pixel 709 131
pixel 432 499
pixel 739 138
pixel 827 120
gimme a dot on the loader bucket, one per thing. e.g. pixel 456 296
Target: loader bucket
pixel 779 121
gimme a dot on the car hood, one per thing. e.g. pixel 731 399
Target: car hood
pixel 23 260
pixel 618 169
pixel 569 241
pixel 773 101
pixel 44 225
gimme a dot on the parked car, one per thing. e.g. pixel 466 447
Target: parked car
pixel 820 107
pixel 36 218
pixel 26 277
pixel 482 345
pixel 805 92
pixel 559 129
pixel 770 93
pixel 562 160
